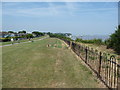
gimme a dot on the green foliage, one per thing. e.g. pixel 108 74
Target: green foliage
pixel 38 33
pixel 29 36
pixel 59 35
pixel 114 41
pixel 68 34
pixel 5 39
pixel 22 31
pixel 94 41
pixel 10 32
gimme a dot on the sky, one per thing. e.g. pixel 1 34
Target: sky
pixel 78 18
pixel 119 13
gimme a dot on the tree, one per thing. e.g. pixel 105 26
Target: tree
pixel 114 41
pixel 49 33
pixel 10 32
pixel 22 31
pixel 68 34
pixel 29 36
pixel 38 33
pixel 59 35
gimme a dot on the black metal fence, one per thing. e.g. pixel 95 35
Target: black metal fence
pixel 105 66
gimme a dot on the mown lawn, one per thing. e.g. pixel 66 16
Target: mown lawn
pixel 35 65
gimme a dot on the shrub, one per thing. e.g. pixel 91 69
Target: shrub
pixel 38 33
pixel 114 41
pixel 29 36
pixel 5 39
pixel 94 41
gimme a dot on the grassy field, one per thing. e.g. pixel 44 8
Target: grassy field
pixel 26 40
pixel 35 65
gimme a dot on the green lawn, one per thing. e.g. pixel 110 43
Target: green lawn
pixel 34 65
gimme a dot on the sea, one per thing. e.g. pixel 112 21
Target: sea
pixel 89 37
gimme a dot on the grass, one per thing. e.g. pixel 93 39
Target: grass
pixel 26 40
pixel 34 65
pixel 102 48
pixel 99 47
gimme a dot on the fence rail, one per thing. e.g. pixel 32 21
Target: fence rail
pixel 105 66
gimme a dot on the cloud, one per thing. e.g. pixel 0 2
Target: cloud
pixel 52 9
pixel 60 0
pixel 25 11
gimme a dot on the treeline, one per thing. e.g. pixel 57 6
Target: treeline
pixel 65 36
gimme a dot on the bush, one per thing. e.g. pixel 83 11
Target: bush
pixel 38 34
pixel 5 39
pixel 93 41
pixel 29 36
pixel 114 41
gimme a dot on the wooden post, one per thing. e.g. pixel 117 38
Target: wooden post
pixel 71 44
pixel 118 77
pixel 100 59
pixel 86 51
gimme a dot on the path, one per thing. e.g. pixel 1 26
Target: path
pixel 24 42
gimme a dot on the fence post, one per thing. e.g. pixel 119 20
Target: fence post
pixel 118 77
pixel 86 52
pixel 100 59
pixel 71 44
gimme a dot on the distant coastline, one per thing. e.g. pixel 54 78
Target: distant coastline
pixel 89 37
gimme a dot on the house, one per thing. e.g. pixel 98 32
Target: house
pixel 6 34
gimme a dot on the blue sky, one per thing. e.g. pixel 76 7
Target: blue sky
pixel 78 18
pixel 119 12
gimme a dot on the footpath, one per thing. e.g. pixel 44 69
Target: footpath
pixel 24 42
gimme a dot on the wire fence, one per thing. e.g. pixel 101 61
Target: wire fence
pixel 104 65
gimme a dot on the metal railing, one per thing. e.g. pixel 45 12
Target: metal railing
pixel 105 66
